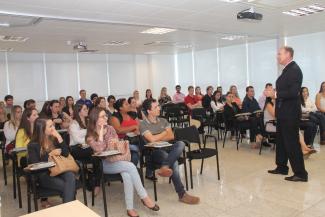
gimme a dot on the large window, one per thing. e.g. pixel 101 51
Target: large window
pixel 93 73
pixel 206 68
pixel 26 76
pixel 185 69
pixel 310 56
pixel 121 74
pixel 62 78
pixel 263 66
pixel 233 68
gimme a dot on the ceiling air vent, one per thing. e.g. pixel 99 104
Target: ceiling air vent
pixel 11 38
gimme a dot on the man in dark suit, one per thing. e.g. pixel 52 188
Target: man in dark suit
pixel 288 112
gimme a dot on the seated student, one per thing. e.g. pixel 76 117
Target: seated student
pixel 11 126
pixel 111 100
pixel 3 118
pixel 124 124
pixel 136 96
pixel 44 110
pixel 223 96
pixel 309 108
pixel 178 96
pixel 230 110
pixel 236 99
pixel 156 129
pixel 267 91
pixel 60 121
pixel 217 103
pixel 198 95
pixel 62 103
pixel 134 110
pixel 69 106
pixel 190 100
pixel 101 137
pixel 148 94
pixel 83 99
pixel 269 114
pixel 93 98
pixel 9 101
pixel 30 103
pixel 24 133
pixel 206 100
pixel 45 142
pixel 164 97
pixel 79 151
pixel 100 103
pixel 320 98
pixel 23 137
pixel 250 104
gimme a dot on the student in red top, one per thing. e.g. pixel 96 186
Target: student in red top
pixel 126 126
pixel 198 94
pixel 190 100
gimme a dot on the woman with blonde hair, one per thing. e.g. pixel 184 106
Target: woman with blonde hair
pixel 164 97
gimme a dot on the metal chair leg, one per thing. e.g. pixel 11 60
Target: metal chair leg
pixel 191 174
pixel 104 197
pixel 224 138
pixel 155 185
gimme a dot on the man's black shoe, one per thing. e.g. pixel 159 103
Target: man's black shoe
pixel 296 179
pixel 277 171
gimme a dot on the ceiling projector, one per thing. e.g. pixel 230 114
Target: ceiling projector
pixel 249 15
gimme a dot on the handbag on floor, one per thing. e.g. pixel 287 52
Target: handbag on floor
pixel 63 164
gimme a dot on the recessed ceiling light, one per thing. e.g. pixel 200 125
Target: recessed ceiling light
pixel 160 43
pixel 5 24
pixel 184 46
pixel 304 11
pixel 6 49
pixel 116 43
pixel 158 31
pixel 151 52
pixel 232 37
pixel 10 38
pixel 234 1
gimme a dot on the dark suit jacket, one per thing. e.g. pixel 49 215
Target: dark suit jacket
pixel 288 86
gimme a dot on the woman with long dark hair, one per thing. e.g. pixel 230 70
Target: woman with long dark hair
pixel 46 142
pixel 216 102
pixel 102 137
pixel 25 132
pixel 69 105
pixel 126 126
pixel 79 149
pixel 309 108
pixel 320 98
pixel 148 94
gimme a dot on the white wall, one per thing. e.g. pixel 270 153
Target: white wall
pixel 47 76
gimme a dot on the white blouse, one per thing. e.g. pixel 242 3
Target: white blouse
pixel 77 134
pixel 10 132
pixel 309 106
pixel 216 106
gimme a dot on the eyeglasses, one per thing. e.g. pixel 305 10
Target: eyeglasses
pixel 103 116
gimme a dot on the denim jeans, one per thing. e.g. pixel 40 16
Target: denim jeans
pixel 134 154
pixel 131 179
pixel 169 158
pixel 64 183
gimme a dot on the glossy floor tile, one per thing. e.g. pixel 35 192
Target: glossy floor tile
pixel 245 190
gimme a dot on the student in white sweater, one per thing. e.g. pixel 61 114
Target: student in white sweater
pixel 309 108
pixel 79 149
pixel 216 102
